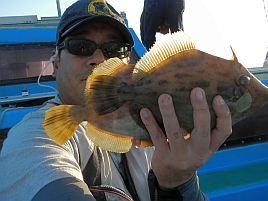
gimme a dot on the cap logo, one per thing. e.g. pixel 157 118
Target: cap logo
pixel 99 7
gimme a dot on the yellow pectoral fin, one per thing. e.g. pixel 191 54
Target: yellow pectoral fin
pixel 58 124
pixel 244 102
pixel 109 141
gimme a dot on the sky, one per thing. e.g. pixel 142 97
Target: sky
pixel 213 25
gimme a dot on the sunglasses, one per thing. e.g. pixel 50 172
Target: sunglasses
pixel 83 47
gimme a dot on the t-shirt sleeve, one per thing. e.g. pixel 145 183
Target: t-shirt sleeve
pixel 30 159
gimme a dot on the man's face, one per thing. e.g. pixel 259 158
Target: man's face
pixel 71 71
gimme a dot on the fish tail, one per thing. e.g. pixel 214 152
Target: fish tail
pixel 105 94
pixel 60 123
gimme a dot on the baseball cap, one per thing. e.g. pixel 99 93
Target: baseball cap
pixel 91 10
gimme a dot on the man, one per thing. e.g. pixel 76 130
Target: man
pixel 34 168
pixel 159 13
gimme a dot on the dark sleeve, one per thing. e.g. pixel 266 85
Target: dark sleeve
pixel 70 189
pixel 186 192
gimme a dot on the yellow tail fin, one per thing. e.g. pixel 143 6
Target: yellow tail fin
pixel 59 124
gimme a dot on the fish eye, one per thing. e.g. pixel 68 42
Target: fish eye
pixel 243 80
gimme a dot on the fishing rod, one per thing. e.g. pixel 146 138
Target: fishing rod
pixel 58 8
pixel 264 8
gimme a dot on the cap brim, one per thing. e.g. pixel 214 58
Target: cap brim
pixel 104 19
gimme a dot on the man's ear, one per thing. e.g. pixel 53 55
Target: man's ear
pixel 55 61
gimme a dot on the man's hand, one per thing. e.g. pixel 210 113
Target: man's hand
pixel 176 160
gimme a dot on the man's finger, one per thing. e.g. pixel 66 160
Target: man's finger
pixel 170 121
pixel 223 123
pixel 201 114
pixel 157 136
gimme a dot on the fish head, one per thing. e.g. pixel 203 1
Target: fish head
pixel 247 95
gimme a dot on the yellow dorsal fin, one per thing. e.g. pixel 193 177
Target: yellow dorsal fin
pixel 107 67
pixel 108 141
pixel 164 48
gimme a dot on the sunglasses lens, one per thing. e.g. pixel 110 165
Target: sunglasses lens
pixel 119 50
pixel 81 47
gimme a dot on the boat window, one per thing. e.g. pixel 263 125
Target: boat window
pixel 25 60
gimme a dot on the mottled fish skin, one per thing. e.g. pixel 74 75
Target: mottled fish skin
pixel 178 75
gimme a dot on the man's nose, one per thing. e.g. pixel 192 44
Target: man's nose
pixel 96 58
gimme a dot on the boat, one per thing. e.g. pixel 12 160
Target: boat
pixel 237 171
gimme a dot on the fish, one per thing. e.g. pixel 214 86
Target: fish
pixel 173 66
